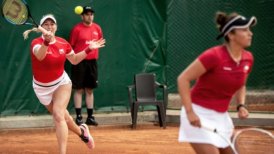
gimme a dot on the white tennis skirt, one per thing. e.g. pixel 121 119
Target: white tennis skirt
pixel 209 118
pixel 44 91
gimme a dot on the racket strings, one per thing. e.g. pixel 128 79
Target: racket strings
pixel 248 140
pixel 15 11
pixel 254 141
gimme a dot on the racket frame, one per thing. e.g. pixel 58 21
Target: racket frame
pixel 29 17
pixel 214 130
pixel 235 136
pixel 33 23
pixel 233 142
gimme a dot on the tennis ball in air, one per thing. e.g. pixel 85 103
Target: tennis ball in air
pixel 78 10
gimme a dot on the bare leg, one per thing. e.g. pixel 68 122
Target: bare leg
pixel 60 101
pixel 63 121
pixel 226 150
pixel 89 98
pixel 62 145
pixel 90 103
pixel 69 120
pixel 72 125
pixel 77 97
pixel 205 148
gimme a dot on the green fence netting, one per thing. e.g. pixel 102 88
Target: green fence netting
pixel 191 30
pixel 136 42
pixel 159 36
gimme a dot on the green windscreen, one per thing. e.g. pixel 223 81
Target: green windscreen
pixel 159 36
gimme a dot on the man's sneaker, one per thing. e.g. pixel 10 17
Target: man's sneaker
pixel 91 121
pixel 86 137
pixel 79 120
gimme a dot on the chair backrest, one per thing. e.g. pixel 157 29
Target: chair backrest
pixel 145 87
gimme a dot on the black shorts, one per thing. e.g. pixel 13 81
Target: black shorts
pixel 84 75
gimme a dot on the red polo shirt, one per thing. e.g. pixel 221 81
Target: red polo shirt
pixel 52 66
pixel 215 88
pixel 81 34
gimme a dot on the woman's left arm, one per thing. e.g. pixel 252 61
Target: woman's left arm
pixel 240 100
pixel 77 58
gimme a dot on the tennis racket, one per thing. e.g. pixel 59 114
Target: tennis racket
pixel 17 12
pixel 249 141
pixel 253 141
pixel 214 130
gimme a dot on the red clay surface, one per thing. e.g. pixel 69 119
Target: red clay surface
pixel 146 139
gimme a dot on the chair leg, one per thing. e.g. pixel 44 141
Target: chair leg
pixel 132 113
pixel 159 115
pixel 163 115
pixel 135 111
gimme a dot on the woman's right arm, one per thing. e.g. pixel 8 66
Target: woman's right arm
pixel 41 52
pixel 192 72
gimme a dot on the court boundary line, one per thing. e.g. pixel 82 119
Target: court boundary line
pixel 173 116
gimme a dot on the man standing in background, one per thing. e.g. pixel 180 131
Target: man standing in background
pixel 85 75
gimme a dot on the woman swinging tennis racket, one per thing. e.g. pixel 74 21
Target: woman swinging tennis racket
pixel 51 83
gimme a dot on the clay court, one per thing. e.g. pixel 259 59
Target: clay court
pixel 147 138
pixel 118 139
pixel 114 138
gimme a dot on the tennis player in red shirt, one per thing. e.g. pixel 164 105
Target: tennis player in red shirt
pixel 220 73
pixel 51 83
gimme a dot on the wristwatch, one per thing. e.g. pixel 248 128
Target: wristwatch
pixel 239 106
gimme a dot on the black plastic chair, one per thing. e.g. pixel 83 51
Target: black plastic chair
pixel 145 88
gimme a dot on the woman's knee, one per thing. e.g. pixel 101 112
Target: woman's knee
pixel 68 117
pixel 58 116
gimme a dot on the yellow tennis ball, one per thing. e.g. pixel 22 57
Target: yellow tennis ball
pixel 78 10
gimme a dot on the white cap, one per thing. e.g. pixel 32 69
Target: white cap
pixel 48 16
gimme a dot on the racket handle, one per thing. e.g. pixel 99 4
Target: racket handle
pixel 43 30
pixel 209 128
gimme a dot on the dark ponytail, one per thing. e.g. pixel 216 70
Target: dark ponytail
pixel 222 18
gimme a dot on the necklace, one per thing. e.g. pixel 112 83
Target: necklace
pixel 237 58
